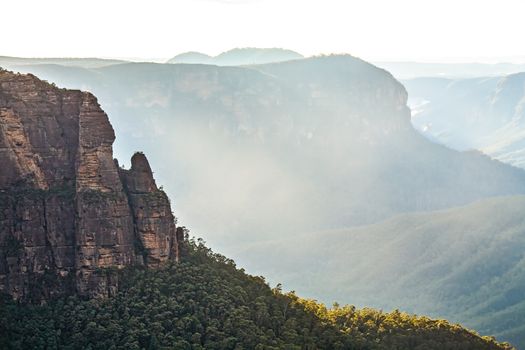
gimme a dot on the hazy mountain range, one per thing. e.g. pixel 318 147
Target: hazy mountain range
pixel 487 114
pixel 6 61
pixel 410 70
pixel 322 143
pixel 283 161
pixel 238 57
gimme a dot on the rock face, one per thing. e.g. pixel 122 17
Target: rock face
pixel 153 220
pixel 68 213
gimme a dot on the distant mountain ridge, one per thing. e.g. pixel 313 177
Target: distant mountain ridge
pixel 6 61
pixel 300 105
pixel 238 57
pixel 486 113
pixel 412 70
pixel 290 126
pixel 192 57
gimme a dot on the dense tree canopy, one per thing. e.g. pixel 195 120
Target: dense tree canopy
pixel 205 302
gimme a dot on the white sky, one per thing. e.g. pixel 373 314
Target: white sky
pixel 425 30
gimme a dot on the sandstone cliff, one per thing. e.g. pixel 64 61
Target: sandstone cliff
pixel 68 213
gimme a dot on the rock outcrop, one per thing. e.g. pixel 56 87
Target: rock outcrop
pixel 69 214
pixel 153 220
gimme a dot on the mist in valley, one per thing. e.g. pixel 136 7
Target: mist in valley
pixel 255 153
pixel 368 153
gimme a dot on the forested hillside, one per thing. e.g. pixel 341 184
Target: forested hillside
pixel 465 264
pixel 205 302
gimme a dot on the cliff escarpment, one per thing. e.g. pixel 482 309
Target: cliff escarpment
pixel 68 213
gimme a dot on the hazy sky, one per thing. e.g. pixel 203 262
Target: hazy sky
pixel 430 30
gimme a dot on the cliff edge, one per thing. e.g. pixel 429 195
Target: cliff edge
pixel 68 212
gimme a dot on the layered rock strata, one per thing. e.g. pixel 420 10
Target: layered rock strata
pixel 69 214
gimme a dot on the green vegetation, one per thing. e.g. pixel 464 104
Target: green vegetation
pixel 464 264
pixel 205 302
